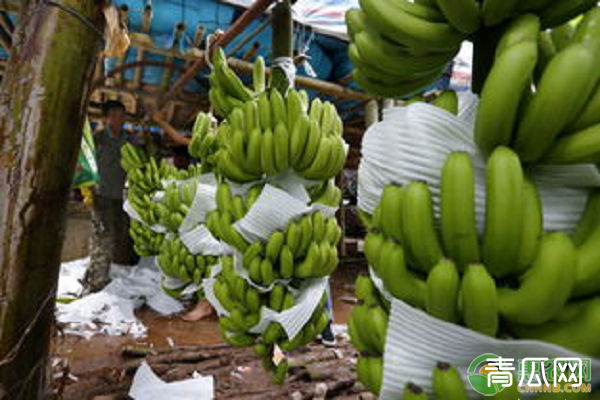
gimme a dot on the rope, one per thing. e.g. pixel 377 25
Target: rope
pixel 69 10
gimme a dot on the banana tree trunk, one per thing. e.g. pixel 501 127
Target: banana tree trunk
pixel 42 105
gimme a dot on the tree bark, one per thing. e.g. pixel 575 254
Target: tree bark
pixel 42 108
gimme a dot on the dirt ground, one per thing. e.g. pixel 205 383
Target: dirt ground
pixel 86 359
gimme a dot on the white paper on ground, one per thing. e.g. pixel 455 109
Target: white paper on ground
pixel 416 342
pixel 111 311
pixel 293 320
pixel 413 142
pixel 147 386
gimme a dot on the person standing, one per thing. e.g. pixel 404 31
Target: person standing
pixel 110 224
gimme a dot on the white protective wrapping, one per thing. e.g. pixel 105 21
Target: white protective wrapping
pixel 416 341
pixel 413 142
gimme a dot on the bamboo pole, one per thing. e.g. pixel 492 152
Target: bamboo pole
pixel 42 105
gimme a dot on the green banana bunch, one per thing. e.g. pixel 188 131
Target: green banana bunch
pixel 175 204
pixel 144 206
pixel 199 133
pixel 176 261
pixel 132 157
pixel 546 286
pixel 399 47
pixel 327 194
pixel 147 178
pixel 146 242
pixel 369 328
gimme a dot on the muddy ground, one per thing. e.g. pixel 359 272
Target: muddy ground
pixel 98 369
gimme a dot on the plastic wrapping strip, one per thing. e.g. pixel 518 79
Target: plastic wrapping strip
pixel 203 203
pixel 200 241
pixel 416 342
pixel 285 64
pixel 128 208
pixel 272 211
pixel 562 207
pixel 575 176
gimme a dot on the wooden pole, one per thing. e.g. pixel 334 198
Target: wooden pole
pixel 42 109
pixel 282 44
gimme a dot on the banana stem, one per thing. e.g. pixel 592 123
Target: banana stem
pixel 484 49
pixel 283 42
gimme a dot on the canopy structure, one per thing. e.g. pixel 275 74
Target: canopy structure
pixel 167 36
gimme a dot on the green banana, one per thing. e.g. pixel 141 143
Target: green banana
pixel 524 28
pixel 502 93
pixel 589 221
pixel 311 147
pixel 565 86
pixel 589 116
pixel 587 281
pixel 258 74
pixel 391 207
pixel 282 148
pixel 267 274
pixel 274 245
pixel 414 392
pixel 267 154
pixel 447 383
pixel 576 148
pixel 494 12
pixel 293 237
pixel 420 235
pixel 562 35
pixel 479 300
pixel 298 139
pixel 443 286
pixel 546 287
pixel 504 212
pixel 400 282
pixel 533 226
pixel 286 263
pixel 447 100
pixel 559 12
pixel 578 332
pixel 276 297
pixel 463 15
pixel 459 230
pixel 372 247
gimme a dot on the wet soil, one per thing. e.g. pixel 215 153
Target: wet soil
pixel 103 355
